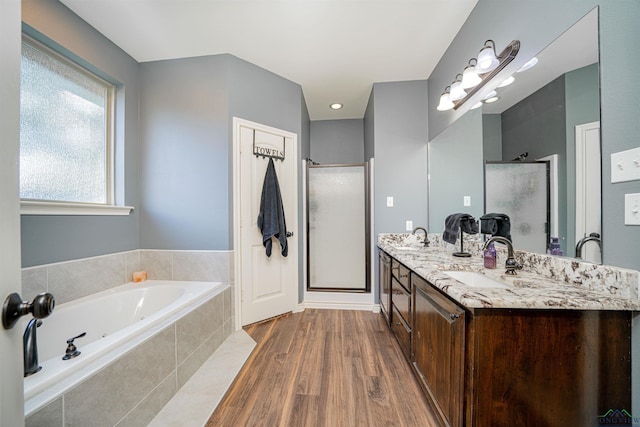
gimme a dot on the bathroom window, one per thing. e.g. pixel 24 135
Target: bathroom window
pixel 66 146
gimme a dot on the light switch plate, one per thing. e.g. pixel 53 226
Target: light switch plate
pixel 625 165
pixel 467 200
pixel 632 209
pixel 409 226
pixel 389 202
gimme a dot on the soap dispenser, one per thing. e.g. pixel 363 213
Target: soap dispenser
pixel 554 247
pixel 490 256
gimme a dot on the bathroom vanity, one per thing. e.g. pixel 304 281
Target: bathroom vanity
pixel 520 350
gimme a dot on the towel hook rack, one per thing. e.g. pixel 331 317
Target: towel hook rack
pixel 265 150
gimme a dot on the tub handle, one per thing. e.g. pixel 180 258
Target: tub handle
pixel 72 350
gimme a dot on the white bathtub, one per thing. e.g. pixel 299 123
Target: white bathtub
pixel 115 321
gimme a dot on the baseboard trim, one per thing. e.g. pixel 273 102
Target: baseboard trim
pixel 336 305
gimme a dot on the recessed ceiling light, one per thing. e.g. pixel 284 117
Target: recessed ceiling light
pixel 335 106
pixel 490 100
pixel 531 63
pixel 477 105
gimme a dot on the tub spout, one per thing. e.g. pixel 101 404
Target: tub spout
pixel 30 350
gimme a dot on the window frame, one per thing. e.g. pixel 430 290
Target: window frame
pixel 62 207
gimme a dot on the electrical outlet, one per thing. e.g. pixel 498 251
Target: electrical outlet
pixel 625 165
pixel 389 202
pixel 409 226
pixel 467 200
pixel 632 209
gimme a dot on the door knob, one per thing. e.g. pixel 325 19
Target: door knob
pixel 289 233
pixel 13 308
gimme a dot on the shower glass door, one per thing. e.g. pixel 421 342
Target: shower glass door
pixel 337 228
pixel 521 190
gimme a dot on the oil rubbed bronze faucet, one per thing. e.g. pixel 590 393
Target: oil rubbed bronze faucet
pixel 511 265
pixel 426 238
pixel 593 237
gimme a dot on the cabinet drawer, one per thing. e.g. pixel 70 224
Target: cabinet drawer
pixel 401 273
pixel 402 332
pixel 401 299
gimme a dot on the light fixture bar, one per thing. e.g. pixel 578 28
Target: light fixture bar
pixel 505 57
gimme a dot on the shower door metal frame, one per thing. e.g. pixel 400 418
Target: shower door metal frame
pixel 367 226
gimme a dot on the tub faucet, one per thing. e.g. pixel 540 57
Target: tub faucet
pixel 426 238
pixel 593 237
pixel 30 347
pixel 511 265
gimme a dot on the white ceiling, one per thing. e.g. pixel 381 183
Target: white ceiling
pixel 335 49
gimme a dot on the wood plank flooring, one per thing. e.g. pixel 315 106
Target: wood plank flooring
pixel 324 368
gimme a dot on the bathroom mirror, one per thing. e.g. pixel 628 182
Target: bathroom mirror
pixel 537 114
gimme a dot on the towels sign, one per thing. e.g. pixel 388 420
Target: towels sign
pixel 266 149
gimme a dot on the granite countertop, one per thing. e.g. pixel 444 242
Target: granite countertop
pixel 527 290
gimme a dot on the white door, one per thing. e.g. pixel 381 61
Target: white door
pixel 268 285
pixel 11 388
pixel 588 188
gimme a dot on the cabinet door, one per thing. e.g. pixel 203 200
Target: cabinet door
pixel 384 284
pixel 439 338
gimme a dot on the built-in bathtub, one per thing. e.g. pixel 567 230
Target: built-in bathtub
pixel 116 322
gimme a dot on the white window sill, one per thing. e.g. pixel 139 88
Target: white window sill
pixel 31 207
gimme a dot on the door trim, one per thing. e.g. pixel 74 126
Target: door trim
pixel 237 241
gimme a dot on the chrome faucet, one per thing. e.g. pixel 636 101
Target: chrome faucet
pixel 30 347
pixel 593 237
pixel 511 265
pixel 426 238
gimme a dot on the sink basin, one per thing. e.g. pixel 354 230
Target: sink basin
pixel 408 248
pixel 476 280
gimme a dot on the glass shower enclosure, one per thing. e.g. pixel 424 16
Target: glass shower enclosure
pixel 338 228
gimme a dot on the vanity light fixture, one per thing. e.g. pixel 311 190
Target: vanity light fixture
pixel 457 91
pixel 485 69
pixel 445 102
pixel 487 59
pixel 336 106
pixel 470 77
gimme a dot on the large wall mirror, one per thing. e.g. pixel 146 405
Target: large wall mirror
pixel 551 112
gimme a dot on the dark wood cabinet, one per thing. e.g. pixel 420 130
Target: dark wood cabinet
pixel 486 367
pixel 384 284
pixel 439 344
pixel 401 313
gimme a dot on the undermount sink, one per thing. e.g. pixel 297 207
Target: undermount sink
pixel 476 280
pixel 408 248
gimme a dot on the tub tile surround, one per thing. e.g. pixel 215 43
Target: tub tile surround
pixel 135 387
pixel 74 279
pixel 545 282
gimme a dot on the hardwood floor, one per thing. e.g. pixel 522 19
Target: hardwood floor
pixel 324 368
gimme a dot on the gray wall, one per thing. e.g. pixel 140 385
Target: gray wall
pixel 337 141
pixel 47 239
pixel 492 136
pixel 537 125
pixel 454 156
pixel 184 171
pixel 619 122
pixel 398 117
